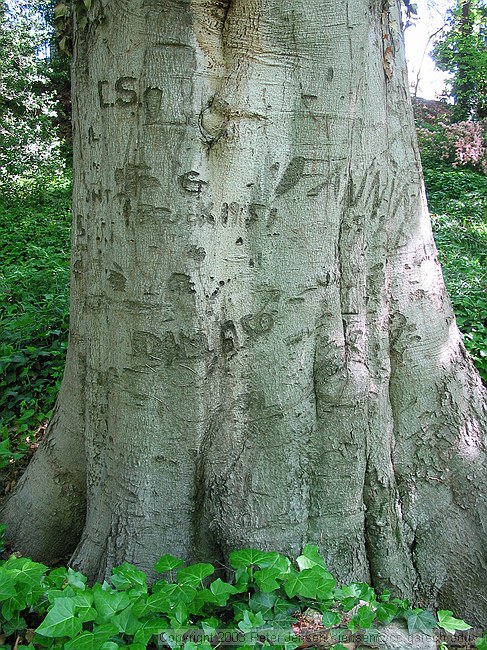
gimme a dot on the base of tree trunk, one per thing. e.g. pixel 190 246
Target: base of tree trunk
pixel 262 351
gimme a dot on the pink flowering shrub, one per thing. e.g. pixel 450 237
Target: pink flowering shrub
pixel 460 144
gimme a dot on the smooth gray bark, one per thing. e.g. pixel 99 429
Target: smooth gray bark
pixel 264 352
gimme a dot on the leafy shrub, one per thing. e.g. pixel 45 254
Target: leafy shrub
pixel 458 203
pixel 461 144
pixel 268 600
pixel 28 143
pixel 34 286
pixel 461 50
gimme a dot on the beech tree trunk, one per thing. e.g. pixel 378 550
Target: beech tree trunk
pixel 262 351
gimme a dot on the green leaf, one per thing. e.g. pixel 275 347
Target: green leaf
pixel 222 591
pixel 365 592
pixel 201 598
pixel 365 617
pixel 481 644
pixel 180 612
pixel 348 596
pixel 76 579
pixel 91 640
pixel 248 557
pixel 194 574
pixel 311 557
pixel 266 579
pixel 167 600
pixel 251 621
pixel 83 603
pixel 126 622
pixel 420 621
pixel 262 602
pixel 7 585
pixel 385 612
pixel 149 628
pixel 24 570
pixel 127 576
pixel 275 560
pixel 56 578
pixel 242 580
pixel 109 603
pixel 447 622
pixel 330 618
pixel 312 583
pixel 61 620
pixel 167 563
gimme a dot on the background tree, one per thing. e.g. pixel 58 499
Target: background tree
pixel 262 352
pixel 462 51
pixel 28 140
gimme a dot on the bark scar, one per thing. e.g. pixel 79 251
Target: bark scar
pixel 387 42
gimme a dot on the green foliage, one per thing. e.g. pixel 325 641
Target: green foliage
pixel 57 609
pixel 29 147
pixel 457 201
pixel 462 51
pixel 447 622
pixel 34 278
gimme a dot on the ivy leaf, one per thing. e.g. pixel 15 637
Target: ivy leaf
pixel 61 10
pixel 420 621
pixel 167 563
pixel 365 592
pixel 310 583
pixel 127 576
pixel 330 618
pixel 282 613
pixel 91 640
pixel 385 612
pixel 158 603
pixel 222 591
pixel 449 623
pixel 61 620
pixel 348 595
pixel 83 602
pixel 181 612
pixel 201 598
pixel 7 585
pixel 242 580
pixel 109 603
pixel 311 557
pixel 266 579
pixel 194 574
pixel 126 622
pixel 251 621
pixel 262 602
pixel 76 579
pixel 210 626
pixel 248 557
pixel 276 561
pixel 24 570
pixel 365 617
pixel 481 644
